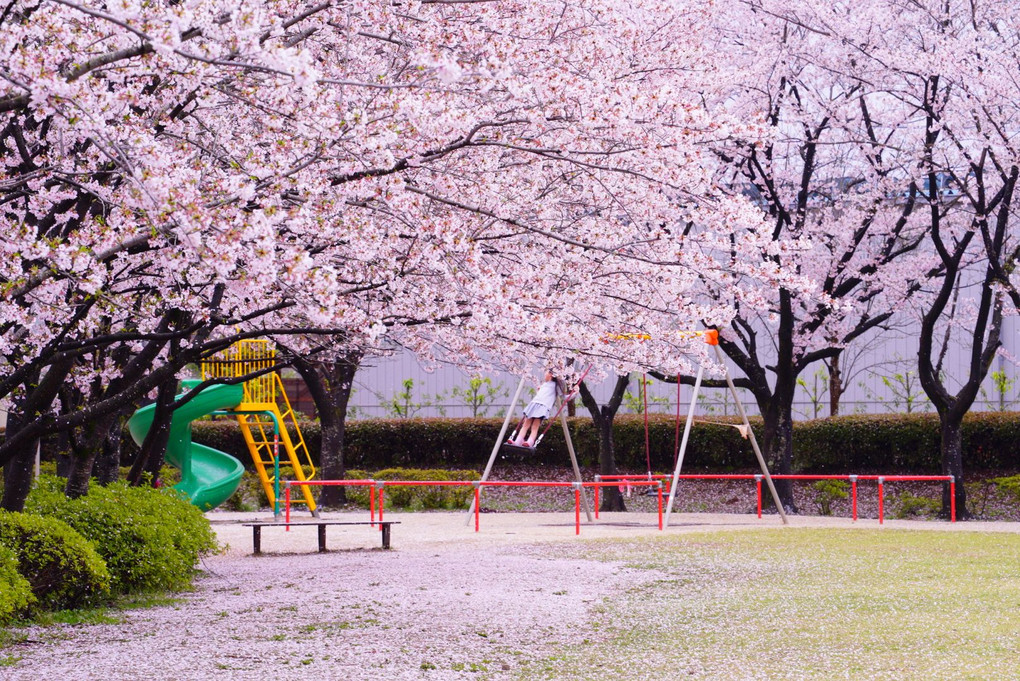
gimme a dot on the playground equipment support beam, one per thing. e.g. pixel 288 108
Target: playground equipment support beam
pixel 499 443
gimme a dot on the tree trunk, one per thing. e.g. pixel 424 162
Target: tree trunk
pixel 18 472
pixel 612 500
pixel 778 448
pixel 835 384
pixel 18 469
pixel 331 384
pixel 602 417
pixel 153 448
pixel 107 469
pixel 91 442
pixel 951 430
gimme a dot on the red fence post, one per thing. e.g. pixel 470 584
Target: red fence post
pixel 952 499
pixel 757 484
pixel 881 500
pixel 379 486
pixel 853 492
pixel 371 502
pixel 478 497
pixel 660 505
pixel 286 494
pixel 598 479
pixel 577 508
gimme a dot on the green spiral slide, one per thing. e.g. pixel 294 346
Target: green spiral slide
pixel 208 476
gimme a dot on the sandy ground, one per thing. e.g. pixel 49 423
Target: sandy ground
pixel 419 531
pixel 445 603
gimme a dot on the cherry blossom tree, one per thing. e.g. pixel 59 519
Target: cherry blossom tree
pixel 178 176
pixel 944 72
pixel 830 177
pixel 961 80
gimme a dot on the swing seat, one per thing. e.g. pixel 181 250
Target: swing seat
pixel 518 449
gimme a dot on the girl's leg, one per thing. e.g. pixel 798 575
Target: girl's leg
pixel 519 439
pixel 535 425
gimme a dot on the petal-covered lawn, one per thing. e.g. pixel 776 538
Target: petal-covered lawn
pixel 525 598
pixel 808 604
pixel 438 611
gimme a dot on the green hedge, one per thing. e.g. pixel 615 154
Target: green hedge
pixel 15 591
pixel 900 442
pixel 150 538
pixel 63 567
pixel 890 443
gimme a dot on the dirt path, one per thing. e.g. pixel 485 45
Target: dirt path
pixel 445 603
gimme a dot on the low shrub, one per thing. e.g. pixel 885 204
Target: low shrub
pixel 246 497
pixel 251 495
pixel 15 591
pixel 829 491
pixel 62 567
pixel 416 498
pixel 909 506
pixel 1008 487
pixel 150 538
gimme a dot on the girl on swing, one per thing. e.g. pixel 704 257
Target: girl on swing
pixel 537 411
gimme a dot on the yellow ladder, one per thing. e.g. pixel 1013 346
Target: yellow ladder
pixel 258 431
pixel 261 417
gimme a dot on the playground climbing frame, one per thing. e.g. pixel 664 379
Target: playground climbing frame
pixel 268 422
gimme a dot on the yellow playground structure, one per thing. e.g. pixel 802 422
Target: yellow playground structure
pixel 268 423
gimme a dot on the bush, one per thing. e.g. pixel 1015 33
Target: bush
pixel 828 491
pixel 251 495
pixel 150 538
pixel 61 566
pixel 1009 487
pixel 903 443
pixel 417 498
pixel 246 497
pixel 15 591
pixel 910 506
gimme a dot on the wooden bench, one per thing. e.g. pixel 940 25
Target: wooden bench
pixel 256 531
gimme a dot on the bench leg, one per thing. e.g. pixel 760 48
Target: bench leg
pixel 256 540
pixel 386 535
pixel 322 538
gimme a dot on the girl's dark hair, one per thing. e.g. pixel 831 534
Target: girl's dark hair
pixel 561 387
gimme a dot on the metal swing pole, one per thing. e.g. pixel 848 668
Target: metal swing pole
pixel 573 461
pixel 648 448
pixel 511 410
pixel 750 435
pixel 683 446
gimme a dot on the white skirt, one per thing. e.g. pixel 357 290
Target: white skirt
pixel 536 410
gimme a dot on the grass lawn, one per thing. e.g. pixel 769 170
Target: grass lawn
pixel 807 604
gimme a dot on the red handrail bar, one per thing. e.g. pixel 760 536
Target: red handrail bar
pixel 630 480
pixel 601 481
pixel 852 479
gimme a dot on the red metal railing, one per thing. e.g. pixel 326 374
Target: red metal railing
pixel 377 488
pixel 628 480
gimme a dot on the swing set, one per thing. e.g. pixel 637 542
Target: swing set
pixel 711 337
pixel 561 414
